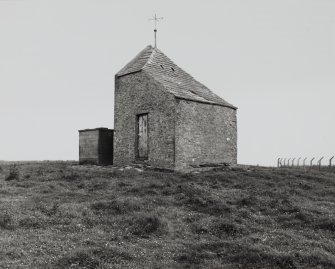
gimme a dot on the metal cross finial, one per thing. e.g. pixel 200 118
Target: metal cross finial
pixel 156 19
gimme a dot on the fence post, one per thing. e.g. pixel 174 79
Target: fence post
pixel 288 162
pixel 330 161
pixel 304 164
pixel 293 162
pixel 278 162
pixel 298 161
pixel 319 162
pixel 311 163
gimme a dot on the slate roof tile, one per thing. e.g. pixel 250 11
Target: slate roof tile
pixel 175 80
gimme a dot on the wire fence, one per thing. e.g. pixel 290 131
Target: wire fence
pixel 307 163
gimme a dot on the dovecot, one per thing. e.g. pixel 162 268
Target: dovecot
pixel 165 118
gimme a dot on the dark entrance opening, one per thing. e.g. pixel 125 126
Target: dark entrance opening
pixel 142 136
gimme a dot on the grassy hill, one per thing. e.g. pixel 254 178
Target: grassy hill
pixel 61 215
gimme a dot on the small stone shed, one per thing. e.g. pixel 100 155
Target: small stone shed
pixel 96 146
pixel 167 119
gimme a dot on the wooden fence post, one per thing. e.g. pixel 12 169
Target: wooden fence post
pixel 330 161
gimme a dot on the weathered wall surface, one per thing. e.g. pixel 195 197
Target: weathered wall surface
pixel 88 147
pixel 205 134
pixel 137 94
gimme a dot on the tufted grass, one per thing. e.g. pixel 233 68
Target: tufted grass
pixel 61 215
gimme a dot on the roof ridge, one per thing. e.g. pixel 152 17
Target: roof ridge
pixel 136 64
pixel 150 57
pixel 173 78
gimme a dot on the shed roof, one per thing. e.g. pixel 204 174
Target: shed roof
pixel 175 80
pixel 96 129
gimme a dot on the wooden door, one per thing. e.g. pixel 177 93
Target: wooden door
pixel 142 136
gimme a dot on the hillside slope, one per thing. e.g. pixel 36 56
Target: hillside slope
pixel 61 215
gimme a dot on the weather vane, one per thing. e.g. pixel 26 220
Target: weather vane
pixel 156 19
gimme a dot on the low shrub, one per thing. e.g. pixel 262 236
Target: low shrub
pixel 13 173
pixel 284 206
pixel 326 224
pixel 46 209
pixel 189 258
pixel 78 259
pixel 219 227
pixel 223 228
pixel 144 225
pixel 249 201
pixel 70 176
pixel 7 221
pixel 114 206
pixel 30 222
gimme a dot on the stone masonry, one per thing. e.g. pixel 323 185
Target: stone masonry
pixel 205 134
pixel 188 125
pixel 137 94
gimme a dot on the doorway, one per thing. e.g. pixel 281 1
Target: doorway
pixel 142 136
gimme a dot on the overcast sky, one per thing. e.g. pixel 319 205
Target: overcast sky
pixel 274 60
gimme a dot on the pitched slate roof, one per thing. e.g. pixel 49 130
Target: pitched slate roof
pixel 173 78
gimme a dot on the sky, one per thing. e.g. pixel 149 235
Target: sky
pixel 274 60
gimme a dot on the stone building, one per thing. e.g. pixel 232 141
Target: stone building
pixel 167 119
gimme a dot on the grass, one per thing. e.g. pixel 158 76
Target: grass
pixel 61 215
